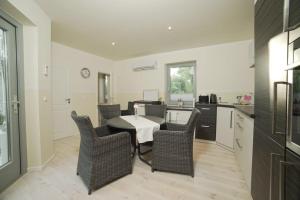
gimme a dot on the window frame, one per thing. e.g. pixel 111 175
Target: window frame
pixel 192 63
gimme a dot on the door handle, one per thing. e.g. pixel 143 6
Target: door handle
pixel 68 100
pixel 15 104
pixel 274 120
pixel 205 126
pixel 282 166
pixel 273 155
pixel 231 113
pixel 238 143
pixel 205 108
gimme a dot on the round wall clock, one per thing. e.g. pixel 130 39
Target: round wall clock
pixel 85 72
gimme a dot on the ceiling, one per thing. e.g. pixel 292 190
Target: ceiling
pixel 140 27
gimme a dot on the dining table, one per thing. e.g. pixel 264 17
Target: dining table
pixel 120 124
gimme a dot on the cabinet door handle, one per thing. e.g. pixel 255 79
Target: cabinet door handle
pixel 205 108
pixel 273 155
pixel 240 117
pixel 205 126
pixel 238 143
pixel 231 113
pixel 238 124
pixel 282 166
pixel 274 120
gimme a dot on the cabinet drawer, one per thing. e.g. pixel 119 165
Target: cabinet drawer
pixel 206 131
pixel 208 114
pixel 207 110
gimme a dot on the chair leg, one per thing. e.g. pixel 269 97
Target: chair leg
pixel 152 170
pixel 90 191
pixel 77 173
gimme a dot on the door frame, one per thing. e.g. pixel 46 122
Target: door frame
pixel 21 90
pixel 110 86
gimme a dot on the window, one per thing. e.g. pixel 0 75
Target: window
pixel 181 82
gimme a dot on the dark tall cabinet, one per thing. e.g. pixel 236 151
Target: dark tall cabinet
pixel 268 149
pixel 271 174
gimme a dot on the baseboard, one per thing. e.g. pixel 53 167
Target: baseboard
pixel 64 136
pixel 205 141
pixel 40 167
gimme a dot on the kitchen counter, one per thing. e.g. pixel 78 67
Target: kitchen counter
pixel 246 109
pixel 179 108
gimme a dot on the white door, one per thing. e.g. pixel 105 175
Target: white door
pixel 61 103
pixel 225 126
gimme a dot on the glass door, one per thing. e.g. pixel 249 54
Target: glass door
pixel 9 106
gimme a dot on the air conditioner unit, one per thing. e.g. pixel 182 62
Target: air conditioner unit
pixel 145 67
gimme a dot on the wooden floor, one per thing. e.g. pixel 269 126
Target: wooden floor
pixel 217 176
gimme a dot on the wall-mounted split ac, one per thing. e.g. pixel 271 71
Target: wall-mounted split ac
pixel 144 67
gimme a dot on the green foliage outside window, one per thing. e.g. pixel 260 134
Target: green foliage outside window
pixel 182 80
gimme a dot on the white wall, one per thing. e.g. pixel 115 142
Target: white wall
pixel 222 69
pixel 83 92
pixel 36 49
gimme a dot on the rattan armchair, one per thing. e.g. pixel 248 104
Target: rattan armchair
pixel 106 112
pixel 103 157
pixel 173 148
pixel 156 110
pixel 130 109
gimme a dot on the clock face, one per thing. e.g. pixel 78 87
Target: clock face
pixel 85 72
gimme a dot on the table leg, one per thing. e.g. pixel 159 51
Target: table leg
pixel 140 155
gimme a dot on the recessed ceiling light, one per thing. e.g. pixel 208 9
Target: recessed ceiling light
pixel 170 28
pixel 113 43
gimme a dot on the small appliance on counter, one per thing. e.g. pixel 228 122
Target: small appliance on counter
pixel 213 99
pixel 203 99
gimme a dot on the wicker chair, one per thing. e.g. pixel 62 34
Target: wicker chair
pixel 106 112
pixel 103 158
pixel 130 109
pixel 173 148
pixel 156 110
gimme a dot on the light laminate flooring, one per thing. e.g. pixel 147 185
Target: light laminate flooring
pixel 217 176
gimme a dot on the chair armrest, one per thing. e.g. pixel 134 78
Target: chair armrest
pixel 112 143
pixel 176 127
pixel 102 131
pixel 168 135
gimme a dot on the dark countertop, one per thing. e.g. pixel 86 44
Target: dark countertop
pixel 180 108
pixel 245 109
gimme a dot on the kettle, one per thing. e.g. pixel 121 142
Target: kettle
pixel 213 99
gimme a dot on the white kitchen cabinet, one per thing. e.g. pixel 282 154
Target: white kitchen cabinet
pixel 243 144
pixel 178 116
pixel 225 127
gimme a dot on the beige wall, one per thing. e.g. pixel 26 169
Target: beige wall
pixel 222 69
pixel 83 92
pixel 37 44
